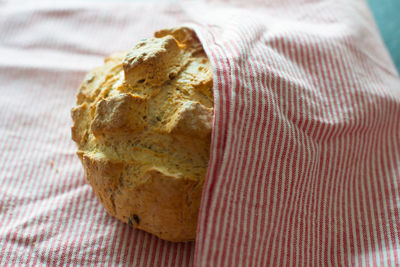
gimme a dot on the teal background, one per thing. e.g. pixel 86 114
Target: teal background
pixel 387 17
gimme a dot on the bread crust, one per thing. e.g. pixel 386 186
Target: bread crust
pixel 143 124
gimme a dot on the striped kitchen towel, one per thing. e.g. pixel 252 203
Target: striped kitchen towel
pixel 305 156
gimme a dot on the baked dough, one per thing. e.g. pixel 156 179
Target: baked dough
pixel 142 124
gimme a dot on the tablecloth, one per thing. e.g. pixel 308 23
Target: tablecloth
pixel 305 158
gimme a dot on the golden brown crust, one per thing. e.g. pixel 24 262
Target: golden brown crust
pixel 192 118
pixel 119 113
pixel 142 124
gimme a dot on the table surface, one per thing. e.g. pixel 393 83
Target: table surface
pixel 388 21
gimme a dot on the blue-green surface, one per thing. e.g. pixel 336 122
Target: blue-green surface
pixel 387 16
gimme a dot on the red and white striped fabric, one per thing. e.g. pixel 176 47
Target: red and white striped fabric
pixel 305 156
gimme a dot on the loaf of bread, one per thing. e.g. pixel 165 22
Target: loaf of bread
pixel 143 125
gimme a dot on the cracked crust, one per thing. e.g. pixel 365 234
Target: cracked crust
pixel 142 125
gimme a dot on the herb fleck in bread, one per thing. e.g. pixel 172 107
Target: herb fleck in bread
pixel 142 124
